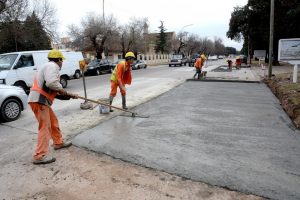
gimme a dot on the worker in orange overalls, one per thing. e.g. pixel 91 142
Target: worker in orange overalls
pixel 45 88
pixel 120 77
pixel 229 62
pixel 198 65
pixel 238 62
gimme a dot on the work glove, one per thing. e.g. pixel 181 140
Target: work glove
pixel 73 96
pixel 63 92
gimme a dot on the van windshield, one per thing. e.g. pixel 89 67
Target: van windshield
pixel 6 61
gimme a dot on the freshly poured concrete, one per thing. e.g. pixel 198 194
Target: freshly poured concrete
pixel 234 135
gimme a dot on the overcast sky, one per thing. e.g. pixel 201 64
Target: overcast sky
pixel 206 18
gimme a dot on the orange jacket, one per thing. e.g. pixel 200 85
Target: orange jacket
pixel 199 63
pixel 120 75
pixel 49 95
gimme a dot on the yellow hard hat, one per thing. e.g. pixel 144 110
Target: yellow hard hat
pixel 238 57
pixel 129 54
pixel 54 53
pixel 203 56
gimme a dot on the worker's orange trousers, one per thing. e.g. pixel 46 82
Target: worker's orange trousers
pixel 114 87
pixel 48 128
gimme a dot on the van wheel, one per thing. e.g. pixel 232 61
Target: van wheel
pixel 23 86
pixel 77 74
pixel 64 81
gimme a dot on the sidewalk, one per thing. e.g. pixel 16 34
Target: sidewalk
pixel 222 73
pixel 233 135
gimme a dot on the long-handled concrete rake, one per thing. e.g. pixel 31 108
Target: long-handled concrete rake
pixel 133 114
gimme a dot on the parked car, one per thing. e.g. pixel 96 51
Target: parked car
pixel 13 100
pixel 138 64
pixel 99 66
pixel 18 68
pixel 114 64
pixel 243 59
pixel 193 59
pixel 178 59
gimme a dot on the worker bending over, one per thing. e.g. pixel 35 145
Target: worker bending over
pixel 238 62
pixel 45 89
pixel 121 76
pixel 199 64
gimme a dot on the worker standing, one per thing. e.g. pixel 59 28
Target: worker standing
pixel 198 65
pixel 120 77
pixel 229 62
pixel 45 88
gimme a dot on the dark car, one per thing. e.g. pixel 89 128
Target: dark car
pixel 243 59
pixel 138 64
pixel 114 64
pixel 193 59
pixel 99 66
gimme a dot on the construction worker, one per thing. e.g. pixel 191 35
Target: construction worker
pixel 238 62
pixel 229 62
pixel 198 65
pixel 45 88
pixel 120 77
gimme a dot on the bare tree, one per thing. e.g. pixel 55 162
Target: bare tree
pixel 13 10
pixel 219 46
pixel 93 33
pixel 192 44
pixel 131 36
pixel 46 13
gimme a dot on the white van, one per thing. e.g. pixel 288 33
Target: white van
pixel 18 68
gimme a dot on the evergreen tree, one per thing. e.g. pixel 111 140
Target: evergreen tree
pixel 161 39
pixel 35 37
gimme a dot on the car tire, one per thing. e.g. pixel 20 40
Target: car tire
pixel 77 74
pixel 170 65
pixel 145 66
pixel 11 110
pixel 64 81
pixel 98 72
pixel 23 86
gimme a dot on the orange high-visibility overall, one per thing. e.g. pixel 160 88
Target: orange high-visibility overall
pixel 48 123
pixel 120 76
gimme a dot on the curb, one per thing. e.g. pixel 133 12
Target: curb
pixel 223 80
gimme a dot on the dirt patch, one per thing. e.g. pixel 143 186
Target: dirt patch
pixel 80 174
pixel 288 94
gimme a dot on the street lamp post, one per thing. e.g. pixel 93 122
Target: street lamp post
pixel 182 35
pixel 103 10
pixel 185 27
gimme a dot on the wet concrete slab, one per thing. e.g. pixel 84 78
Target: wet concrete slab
pixel 233 135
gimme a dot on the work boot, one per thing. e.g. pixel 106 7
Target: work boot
pixel 63 145
pixel 111 98
pixel 124 103
pixel 44 160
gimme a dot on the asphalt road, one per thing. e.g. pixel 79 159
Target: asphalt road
pixel 233 135
pixel 146 84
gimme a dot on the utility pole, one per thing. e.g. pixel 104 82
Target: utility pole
pixel 271 39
